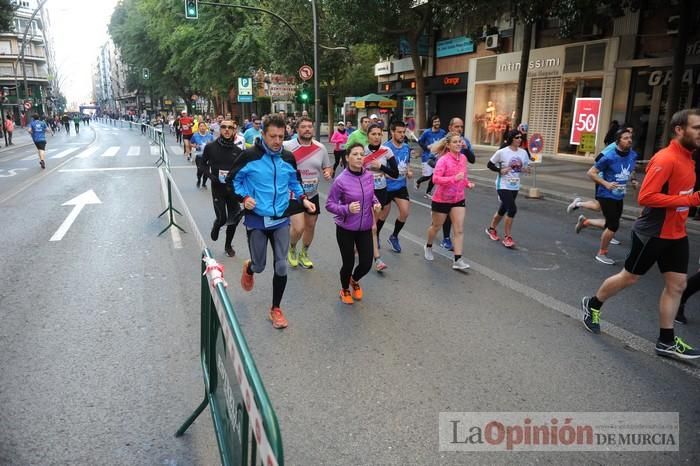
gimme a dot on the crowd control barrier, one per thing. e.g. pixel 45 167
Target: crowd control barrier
pixel 246 427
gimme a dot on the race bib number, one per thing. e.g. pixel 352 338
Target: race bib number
pixel 379 181
pixel 222 176
pixel 512 182
pixel 403 169
pixel 310 185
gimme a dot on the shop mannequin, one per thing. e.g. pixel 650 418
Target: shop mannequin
pixel 490 122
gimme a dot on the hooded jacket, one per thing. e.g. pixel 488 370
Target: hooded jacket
pixel 350 187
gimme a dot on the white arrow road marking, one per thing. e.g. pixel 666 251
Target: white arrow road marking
pixel 134 151
pixel 88 197
pixel 87 153
pixel 10 172
pixel 111 152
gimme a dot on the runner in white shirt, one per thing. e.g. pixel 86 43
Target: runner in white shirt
pixel 313 163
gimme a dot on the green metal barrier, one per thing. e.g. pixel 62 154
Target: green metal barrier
pixel 163 162
pixel 244 421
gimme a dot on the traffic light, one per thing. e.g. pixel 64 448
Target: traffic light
pixel 303 94
pixel 191 9
pixel 146 74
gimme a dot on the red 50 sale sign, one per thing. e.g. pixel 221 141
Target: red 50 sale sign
pixel 586 113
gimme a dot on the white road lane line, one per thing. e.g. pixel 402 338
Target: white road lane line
pixel 62 154
pixel 87 153
pixel 134 151
pixel 105 169
pixel 111 152
pixel 155 150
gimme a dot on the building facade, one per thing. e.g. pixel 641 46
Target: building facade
pixel 109 82
pixel 27 63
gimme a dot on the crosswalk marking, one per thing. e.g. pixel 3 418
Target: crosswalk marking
pixel 134 151
pixel 87 153
pixel 176 149
pixel 111 152
pixel 155 150
pixel 62 154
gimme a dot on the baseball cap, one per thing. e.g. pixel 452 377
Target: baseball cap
pixel 373 116
pixel 184 111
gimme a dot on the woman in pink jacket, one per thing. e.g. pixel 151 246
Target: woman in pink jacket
pixel 339 138
pixel 450 178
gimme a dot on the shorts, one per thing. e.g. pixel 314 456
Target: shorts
pixel 187 136
pixel 612 211
pixel 427 169
pixel 398 194
pixel 382 196
pixel 295 207
pixel 41 145
pixel 671 255
pixel 446 207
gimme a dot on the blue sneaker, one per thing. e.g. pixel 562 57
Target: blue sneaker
pixel 447 244
pixel 394 242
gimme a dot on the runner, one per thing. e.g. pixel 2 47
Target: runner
pixel 253 133
pixel 66 123
pixel 9 129
pixel 508 162
pixel 339 138
pixel 186 124
pixel 37 128
pixel 450 177
pixel 659 235
pixel 178 130
pixel 396 188
pixel 312 162
pixel 352 201
pixel 359 135
pixel 218 159
pixel 456 126
pixel 263 180
pixel 429 136
pixel 381 162
pixel 200 139
pixel 610 173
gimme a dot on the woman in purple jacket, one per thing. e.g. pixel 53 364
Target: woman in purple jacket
pixel 352 201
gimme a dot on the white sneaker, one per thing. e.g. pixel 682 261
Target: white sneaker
pixel 460 264
pixel 571 207
pixel 428 253
pixel 603 258
pixel 615 242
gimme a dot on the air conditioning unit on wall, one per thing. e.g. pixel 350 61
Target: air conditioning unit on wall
pixel 492 41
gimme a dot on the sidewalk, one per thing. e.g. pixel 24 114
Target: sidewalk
pixel 20 137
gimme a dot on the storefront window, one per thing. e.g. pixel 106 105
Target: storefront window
pixel 494 110
pixel 571 89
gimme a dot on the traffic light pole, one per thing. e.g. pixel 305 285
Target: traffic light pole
pixel 317 92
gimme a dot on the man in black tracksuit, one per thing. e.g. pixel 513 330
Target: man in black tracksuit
pixel 219 158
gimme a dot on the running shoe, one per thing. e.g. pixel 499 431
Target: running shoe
pixel 230 251
pixel 571 207
pixel 379 265
pixel 604 259
pixel 292 257
pixel 508 242
pixel 247 280
pixel 346 297
pixel 492 234
pixel 615 242
pixel 42 163
pixel 680 315
pixel 356 290
pixel 428 253
pixel 394 243
pixel 580 224
pixel 678 350
pixel 428 196
pixel 214 231
pixel 459 264
pixel 447 244
pixel 416 185
pixel 277 318
pixel 198 183
pixel 204 186
pixel 303 259
pixel 590 317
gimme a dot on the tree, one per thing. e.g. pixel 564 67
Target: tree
pixel 7 14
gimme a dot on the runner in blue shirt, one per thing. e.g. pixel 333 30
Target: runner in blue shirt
pixel 429 136
pixel 200 139
pixel 396 187
pixel 252 133
pixel 37 128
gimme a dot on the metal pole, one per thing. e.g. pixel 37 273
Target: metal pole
pixel 317 92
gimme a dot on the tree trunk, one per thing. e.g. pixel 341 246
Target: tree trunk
pixel 674 90
pixel 522 76
pixel 331 113
pixel 420 84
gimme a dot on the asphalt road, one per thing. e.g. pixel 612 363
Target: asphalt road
pixel 100 329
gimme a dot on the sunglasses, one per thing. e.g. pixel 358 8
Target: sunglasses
pixel 518 137
pixel 227 127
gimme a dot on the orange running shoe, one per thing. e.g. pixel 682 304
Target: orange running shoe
pixel 277 318
pixel 345 296
pixel 356 290
pixel 247 280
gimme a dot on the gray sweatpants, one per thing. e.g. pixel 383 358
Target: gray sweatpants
pixel 257 245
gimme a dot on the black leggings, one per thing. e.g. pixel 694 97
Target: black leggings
pixel 691 288
pixel 201 177
pixel 347 242
pixel 228 212
pixel 339 156
pixel 429 179
pixel 508 206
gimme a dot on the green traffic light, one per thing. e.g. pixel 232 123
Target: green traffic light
pixel 304 96
pixel 191 10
